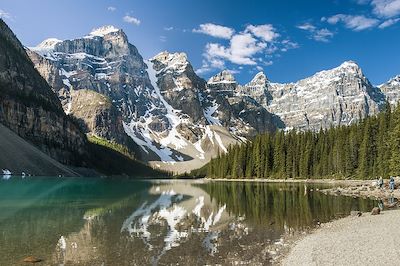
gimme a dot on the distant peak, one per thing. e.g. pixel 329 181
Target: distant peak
pixel 349 63
pixel 223 77
pixel 167 56
pixel 49 43
pixel 260 79
pixel 104 30
pixel 260 76
pixel 175 62
pixel 45 46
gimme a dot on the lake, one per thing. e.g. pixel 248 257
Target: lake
pixel 92 221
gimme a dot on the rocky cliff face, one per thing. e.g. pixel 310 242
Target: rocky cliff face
pixel 334 97
pixel 391 89
pixel 30 108
pixel 102 62
pixel 180 120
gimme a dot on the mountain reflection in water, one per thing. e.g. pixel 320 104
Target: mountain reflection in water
pixel 127 222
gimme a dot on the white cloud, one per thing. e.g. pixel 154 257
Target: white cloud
pixel 131 20
pixel 307 27
pixel 249 47
pixel 323 35
pixel 214 30
pixel 111 8
pixel 266 32
pixel 163 38
pixel 241 50
pixel 4 14
pixel 353 22
pixel 168 28
pixel 386 8
pixel 388 23
pixel 320 35
pixel 288 44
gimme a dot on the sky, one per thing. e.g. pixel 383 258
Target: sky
pixel 287 39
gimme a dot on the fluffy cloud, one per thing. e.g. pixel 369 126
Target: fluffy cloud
pixel 111 8
pixel 249 47
pixel 266 32
pixel 320 35
pixel 386 8
pixel 214 30
pixel 131 20
pixel 353 22
pixel 241 50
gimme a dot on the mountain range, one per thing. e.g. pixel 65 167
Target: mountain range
pixel 175 120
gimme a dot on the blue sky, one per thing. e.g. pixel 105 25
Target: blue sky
pixel 287 39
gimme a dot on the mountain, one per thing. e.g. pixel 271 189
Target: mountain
pixel 329 98
pixel 29 107
pixel 392 90
pixel 178 119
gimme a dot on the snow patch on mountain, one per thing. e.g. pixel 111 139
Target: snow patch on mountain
pixel 46 46
pixel 104 30
pixel 174 137
pixel 209 113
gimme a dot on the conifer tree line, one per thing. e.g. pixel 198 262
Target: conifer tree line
pixel 365 150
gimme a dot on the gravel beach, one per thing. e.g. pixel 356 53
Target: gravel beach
pixel 366 240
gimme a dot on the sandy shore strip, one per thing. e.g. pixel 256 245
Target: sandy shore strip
pixel 366 240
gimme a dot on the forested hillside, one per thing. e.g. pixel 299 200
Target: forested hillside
pixel 364 150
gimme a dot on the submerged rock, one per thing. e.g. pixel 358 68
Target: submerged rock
pixel 32 259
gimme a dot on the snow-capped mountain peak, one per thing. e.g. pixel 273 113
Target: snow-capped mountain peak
pixel 46 46
pixel 350 66
pixel 104 30
pixel 223 77
pixel 391 89
pixel 260 79
pixel 176 62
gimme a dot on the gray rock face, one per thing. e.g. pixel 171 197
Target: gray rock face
pixel 30 108
pixel 236 107
pixel 103 62
pixel 329 98
pixel 392 90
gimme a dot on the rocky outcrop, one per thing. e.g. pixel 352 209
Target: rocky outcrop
pixel 391 89
pixel 30 108
pixel 97 115
pixel 233 107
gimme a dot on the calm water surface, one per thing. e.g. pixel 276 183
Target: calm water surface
pixel 127 222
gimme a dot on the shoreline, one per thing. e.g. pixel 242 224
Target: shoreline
pixel 350 187
pixel 346 182
pixel 366 240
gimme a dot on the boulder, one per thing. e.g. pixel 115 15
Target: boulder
pixel 375 211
